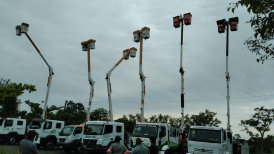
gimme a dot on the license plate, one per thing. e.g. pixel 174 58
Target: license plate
pixel 61 146
pixel 84 146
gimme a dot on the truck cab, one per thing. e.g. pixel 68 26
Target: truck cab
pixel 47 132
pixel 203 139
pixel 12 130
pixel 70 138
pixel 99 135
pixel 167 137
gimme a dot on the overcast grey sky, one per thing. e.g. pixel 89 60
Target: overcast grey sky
pixel 58 27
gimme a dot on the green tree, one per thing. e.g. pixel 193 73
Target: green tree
pixel 206 118
pixel 72 113
pixel 9 93
pixel 260 121
pixel 128 123
pixel 8 89
pixel 262 23
pixel 36 111
pixel 236 138
pixel 99 114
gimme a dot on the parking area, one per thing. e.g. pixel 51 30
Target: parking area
pixel 15 148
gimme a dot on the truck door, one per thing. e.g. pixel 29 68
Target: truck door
pixel 162 137
pixel 119 131
pixel 173 137
pixel 108 133
pixel 47 129
pixel 20 127
pixel 1 125
pixel 8 126
pixel 77 135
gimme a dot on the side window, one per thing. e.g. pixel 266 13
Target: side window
pixel 48 125
pixel 108 129
pixel 58 125
pixel 19 123
pixel 8 123
pixel 118 129
pixel 163 132
pixel 172 132
pixel 78 130
pixel 224 135
pixel 175 132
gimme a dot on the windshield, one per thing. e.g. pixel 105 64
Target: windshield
pixel 202 135
pixel 145 131
pixel 93 129
pixel 66 131
pixel 34 125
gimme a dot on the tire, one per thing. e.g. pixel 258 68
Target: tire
pixel 79 148
pixel 11 140
pixel 49 144
pixel 67 150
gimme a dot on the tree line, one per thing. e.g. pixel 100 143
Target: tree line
pixel 74 113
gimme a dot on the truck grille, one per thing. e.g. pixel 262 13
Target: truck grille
pixel 62 139
pixel 203 150
pixel 89 143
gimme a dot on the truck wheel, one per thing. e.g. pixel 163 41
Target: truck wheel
pixel 79 148
pixel 67 150
pixel 49 144
pixel 11 140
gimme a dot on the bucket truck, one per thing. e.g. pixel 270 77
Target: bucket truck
pixel 71 136
pixel 203 139
pixel 167 138
pixel 47 130
pixel 12 130
pixel 99 135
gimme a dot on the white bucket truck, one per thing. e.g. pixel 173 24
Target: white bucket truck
pixel 12 130
pixel 47 132
pixel 99 135
pixel 167 137
pixel 203 139
pixel 70 138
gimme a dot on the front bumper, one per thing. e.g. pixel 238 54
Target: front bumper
pixel 96 147
pixel 65 145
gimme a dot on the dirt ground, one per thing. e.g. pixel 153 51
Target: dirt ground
pixel 15 148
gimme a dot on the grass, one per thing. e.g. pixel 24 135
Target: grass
pixel 8 152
